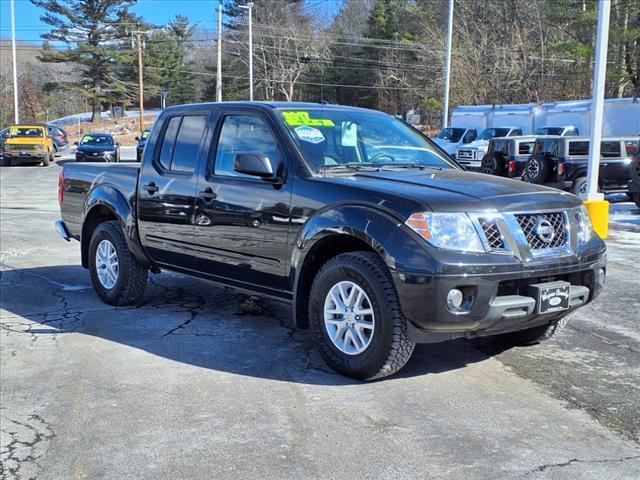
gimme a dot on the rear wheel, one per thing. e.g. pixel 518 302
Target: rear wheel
pixel 580 186
pixel 531 336
pixel 356 319
pixel 46 161
pixel 537 169
pixel 117 277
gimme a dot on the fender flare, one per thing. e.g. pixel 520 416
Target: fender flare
pixel 364 223
pixel 107 197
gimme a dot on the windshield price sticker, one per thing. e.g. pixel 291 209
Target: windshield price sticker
pixel 295 119
pixel 349 134
pixel 309 134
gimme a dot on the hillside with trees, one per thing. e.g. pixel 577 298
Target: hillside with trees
pixel 383 54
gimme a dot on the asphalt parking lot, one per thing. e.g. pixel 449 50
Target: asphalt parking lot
pixel 193 384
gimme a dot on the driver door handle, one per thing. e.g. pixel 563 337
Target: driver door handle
pixel 208 194
pixel 151 188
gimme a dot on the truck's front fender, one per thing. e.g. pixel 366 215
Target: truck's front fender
pixel 332 231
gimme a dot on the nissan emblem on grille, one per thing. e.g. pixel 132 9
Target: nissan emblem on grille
pixel 544 230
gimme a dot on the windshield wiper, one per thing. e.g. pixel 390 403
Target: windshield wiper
pixel 350 167
pixel 418 166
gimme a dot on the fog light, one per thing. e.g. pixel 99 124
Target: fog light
pixel 600 276
pixel 454 299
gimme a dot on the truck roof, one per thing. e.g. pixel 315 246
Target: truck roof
pixel 271 105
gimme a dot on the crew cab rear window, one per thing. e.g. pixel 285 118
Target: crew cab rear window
pixel 181 143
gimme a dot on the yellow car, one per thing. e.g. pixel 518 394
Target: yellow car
pixel 27 144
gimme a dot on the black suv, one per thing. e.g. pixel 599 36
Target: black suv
pixel 561 162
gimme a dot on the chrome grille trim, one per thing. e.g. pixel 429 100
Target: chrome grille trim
pixel 529 224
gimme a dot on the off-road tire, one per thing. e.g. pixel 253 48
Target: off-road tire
pixel 132 276
pixel 532 336
pixel 493 164
pixel 578 185
pixel 540 174
pixel 390 346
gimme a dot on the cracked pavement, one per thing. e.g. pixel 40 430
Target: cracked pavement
pixel 198 382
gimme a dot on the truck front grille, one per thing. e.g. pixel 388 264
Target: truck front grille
pixel 543 230
pixel 492 234
pixel 465 154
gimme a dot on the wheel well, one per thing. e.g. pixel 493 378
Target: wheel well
pixel 95 217
pixel 323 251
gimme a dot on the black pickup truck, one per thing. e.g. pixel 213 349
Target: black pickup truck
pixel 373 234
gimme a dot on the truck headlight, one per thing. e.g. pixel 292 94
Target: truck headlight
pixel 585 230
pixel 453 231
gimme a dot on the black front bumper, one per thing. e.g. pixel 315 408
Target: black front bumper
pixel 496 290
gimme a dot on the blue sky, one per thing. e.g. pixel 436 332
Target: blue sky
pixel 29 27
pixel 159 12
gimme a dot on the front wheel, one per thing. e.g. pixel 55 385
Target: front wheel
pixel 580 186
pixel 532 336
pixel 356 319
pixel 117 277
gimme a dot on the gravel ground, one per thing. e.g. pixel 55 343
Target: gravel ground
pixel 189 385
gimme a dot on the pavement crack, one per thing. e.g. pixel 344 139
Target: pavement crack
pixel 544 467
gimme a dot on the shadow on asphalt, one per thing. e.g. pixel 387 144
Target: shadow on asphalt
pixel 196 323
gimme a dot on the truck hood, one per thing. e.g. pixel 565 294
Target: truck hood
pixel 477 145
pixel 459 191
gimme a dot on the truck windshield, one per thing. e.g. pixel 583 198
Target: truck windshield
pixel 490 133
pixel 96 140
pixel 452 135
pixel 549 131
pixel 334 139
pixel 29 132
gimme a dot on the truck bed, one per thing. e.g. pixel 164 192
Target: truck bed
pixel 82 178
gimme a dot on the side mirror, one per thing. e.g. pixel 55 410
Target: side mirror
pixel 75 143
pixel 137 139
pixel 256 164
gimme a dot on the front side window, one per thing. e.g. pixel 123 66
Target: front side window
pixel 451 134
pixel 490 133
pixel 515 133
pixel 333 138
pixel 244 134
pixel 470 136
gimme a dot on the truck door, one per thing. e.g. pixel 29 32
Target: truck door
pixel 614 165
pixel 167 188
pixel 242 221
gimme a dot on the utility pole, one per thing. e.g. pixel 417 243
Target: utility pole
pixel 447 69
pixel 219 60
pixel 249 6
pixel 16 115
pixel 138 35
pixel 595 203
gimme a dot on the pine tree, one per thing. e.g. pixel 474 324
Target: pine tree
pixel 92 34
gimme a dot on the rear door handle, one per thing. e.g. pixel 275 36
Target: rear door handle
pixel 208 194
pixel 151 188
